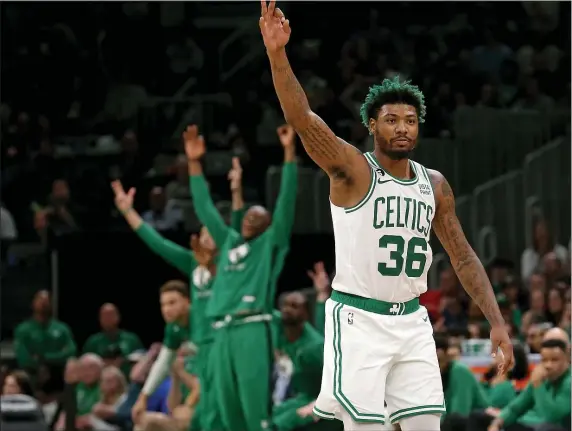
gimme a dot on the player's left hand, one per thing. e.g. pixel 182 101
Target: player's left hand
pixel 287 135
pixel 307 410
pixel 203 255
pixel 235 175
pixel 501 340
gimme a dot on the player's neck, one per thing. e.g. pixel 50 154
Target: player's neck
pixel 293 332
pixel 400 169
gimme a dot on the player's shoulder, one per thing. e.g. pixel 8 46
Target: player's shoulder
pixel 23 326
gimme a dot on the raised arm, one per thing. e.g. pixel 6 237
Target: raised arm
pixel 180 257
pixel 467 265
pixel 340 160
pixel 235 179
pixel 285 210
pixel 204 205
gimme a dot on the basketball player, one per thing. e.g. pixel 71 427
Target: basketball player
pixel 378 340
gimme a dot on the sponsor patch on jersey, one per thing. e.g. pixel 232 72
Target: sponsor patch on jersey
pixel 425 189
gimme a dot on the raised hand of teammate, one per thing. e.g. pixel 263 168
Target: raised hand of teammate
pixel 321 281
pixel 203 255
pixel 274 26
pixel 235 175
pixel 194 143
pixel 287 136
pixel 123 200
pixel 501 340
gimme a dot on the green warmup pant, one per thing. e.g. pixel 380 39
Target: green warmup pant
pixel 241 361
pixel 207 416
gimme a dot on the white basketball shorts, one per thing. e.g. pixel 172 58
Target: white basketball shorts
pixel 372 358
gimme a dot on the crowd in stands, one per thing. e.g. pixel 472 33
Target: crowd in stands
pixel 75 81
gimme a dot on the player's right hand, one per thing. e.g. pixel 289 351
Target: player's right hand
pixel 194 143
pixel 138 409
pixel 274 26
pixel 123 201
pixel 235 175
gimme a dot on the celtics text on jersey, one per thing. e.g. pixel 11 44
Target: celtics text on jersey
pixel 382 243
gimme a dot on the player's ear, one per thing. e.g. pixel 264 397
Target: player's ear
pixel 371 128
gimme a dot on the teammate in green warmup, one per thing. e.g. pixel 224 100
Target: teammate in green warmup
pixel 200 266
pixel 174 297
pixel 299 350
pixel 244 290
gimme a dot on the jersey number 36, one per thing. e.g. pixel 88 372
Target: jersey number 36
pixel 398 263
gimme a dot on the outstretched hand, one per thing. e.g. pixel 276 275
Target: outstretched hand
pixel 274 26
pixel 203 255
pixel 235 175
pixel 123 201
pixel 194 143
pixel 287 135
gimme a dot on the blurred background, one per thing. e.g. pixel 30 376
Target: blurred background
pixel 97 91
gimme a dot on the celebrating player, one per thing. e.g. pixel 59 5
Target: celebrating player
pixel 378 340
pixel 243 293
pixel 199 264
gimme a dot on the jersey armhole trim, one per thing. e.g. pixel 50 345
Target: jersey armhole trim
pixel 367 195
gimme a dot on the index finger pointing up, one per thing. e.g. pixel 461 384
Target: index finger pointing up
pixel 271 7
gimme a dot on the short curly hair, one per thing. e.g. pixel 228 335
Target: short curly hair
pixel 392 91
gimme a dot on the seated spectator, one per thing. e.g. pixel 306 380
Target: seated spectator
pixel 43 339
pixel 60 214
pixel 542 244
pixel 163 214
pixel 113 392
pixel 534 336
pixel 8 231
pixel 555 306
pixel 537 311
pixel 86 373
pixel 546 400
pixel 17 382
pixel 182 398
pixel 113 344
pixel 463 393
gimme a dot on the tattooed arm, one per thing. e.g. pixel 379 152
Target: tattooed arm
pixel 336 157
pixel 465 262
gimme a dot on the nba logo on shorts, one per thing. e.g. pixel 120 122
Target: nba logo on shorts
pixel 350 318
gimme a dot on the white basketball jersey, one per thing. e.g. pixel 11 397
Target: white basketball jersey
pixel 382 243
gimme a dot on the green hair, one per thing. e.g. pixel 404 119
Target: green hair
pixel 392 91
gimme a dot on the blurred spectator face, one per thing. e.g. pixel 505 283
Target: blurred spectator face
pixel 538 282
pixel 537 301
pixel 60 191
pixel 555 361
pixel 541 233
pixel 157 199
pixel 555 302
pixel 511 291
pixel 205 239
pixel 174 306
pixel 41 303
pixel 90 367
pixel 17 383
pixel 129 142
pixel 454 353
pixel 534 337
pixel 552 264
pixel 294 309
pixel 395 130
pixel 23 120
pixel 255 221
pixel 474 330
pixel 108 317
pixel 448 281
pixel 111 381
